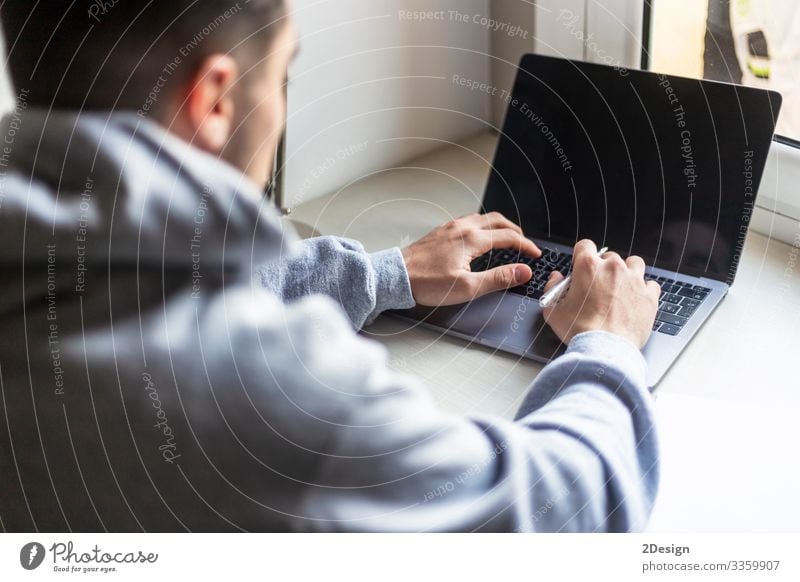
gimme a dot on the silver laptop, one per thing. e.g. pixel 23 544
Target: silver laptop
pixel 662 167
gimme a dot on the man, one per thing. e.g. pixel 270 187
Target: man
pixel 171 359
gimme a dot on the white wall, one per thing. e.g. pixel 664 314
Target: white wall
pixel 508 45
pixel 373 88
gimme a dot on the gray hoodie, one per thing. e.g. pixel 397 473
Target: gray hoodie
pixel 171 359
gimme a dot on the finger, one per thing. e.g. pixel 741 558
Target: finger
pixel 636 264
pixel 584 247
pixel 611 256
pixel 584 260
pixel 554 279
pixel 654 288
pixel 506 239
pixel 496 220
pixel 499 279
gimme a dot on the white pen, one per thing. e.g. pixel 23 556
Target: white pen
pixel 552 297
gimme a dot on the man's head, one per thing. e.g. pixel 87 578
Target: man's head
pixel 212 71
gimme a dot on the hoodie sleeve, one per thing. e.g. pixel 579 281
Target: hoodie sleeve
pixel 363 284
pixel 581 456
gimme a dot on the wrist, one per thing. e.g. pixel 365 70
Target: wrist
pixel 633 336
pixel 613 349
pixel 392 286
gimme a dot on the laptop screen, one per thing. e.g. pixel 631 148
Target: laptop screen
pixel 659 166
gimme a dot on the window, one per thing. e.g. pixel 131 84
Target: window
pixel 752 42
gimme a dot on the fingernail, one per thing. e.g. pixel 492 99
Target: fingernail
pixel 520 274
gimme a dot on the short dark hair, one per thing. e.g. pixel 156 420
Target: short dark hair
pixel 103 54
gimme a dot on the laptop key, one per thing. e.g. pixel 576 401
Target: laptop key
pixel 669 329
pixel 533 292
pixel 670 308
pixel 687 302
pixel 675 320
pixel 656 325
pixel 672 298
pixel 693 293
pixel 550 257
pixel 685 311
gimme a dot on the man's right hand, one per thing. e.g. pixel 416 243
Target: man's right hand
pixel 606 294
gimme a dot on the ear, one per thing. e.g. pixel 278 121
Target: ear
pixel 210 104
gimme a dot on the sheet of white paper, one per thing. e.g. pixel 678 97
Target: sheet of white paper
pixel 727 466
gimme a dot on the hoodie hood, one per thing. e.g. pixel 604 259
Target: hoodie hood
pixel 115 188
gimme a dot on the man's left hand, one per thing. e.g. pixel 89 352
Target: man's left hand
pixel 439 264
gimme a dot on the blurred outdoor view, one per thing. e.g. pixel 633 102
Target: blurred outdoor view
pixel 754 42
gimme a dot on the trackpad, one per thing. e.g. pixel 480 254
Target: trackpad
pixel 443 317
pixel 510 321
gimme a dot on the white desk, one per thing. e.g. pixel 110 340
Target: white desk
pixel 729 408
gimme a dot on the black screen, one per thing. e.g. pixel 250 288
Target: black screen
pixel 659 166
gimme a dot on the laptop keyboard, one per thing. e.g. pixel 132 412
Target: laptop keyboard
pixel 550 261
pixel 678 302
